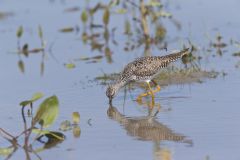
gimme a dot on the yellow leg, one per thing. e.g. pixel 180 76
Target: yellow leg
pixel 158 88
pixel 139 98
pixel 151 92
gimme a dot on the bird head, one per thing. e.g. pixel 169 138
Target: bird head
pixel 111 92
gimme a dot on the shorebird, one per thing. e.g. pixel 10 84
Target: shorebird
pixel 143 69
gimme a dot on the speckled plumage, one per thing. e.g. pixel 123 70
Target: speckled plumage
pixel 143 69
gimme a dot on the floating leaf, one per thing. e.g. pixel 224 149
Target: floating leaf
pixel 70 65
pixel 40 32
pixel 84 58
pixel 106 35
pixel 25 103
pixel 36 96
pixel 76 131
pixel 65 125
pixel 154 3
pixel 75 117
pixel 237 54
pixel 73 9
pixel 84 16
pixel 21 66
pixel 49 134
pixel 20 32
pixel 25 50
pixel 106 15
pixel 84 37
pixel 121 11
pixel 93 10
pixel 6 151
pixel 163 14
pixel 47 112
pixel 108 55
pixel 67 29
pixel 42 68
pixel 114 3
pixel 127 28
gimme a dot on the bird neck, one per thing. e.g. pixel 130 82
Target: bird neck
pixel 119 84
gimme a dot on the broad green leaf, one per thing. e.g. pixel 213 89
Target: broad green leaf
pixel 36 96
pixel 84 16
pixel 70 65
pixel 106 16
pixel 6 151
pixel 75 117
pixel 48 133
pixel 20 32
pixel 21 66
pixel 47 112
pixel 40 32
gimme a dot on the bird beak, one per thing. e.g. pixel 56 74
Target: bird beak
pixel 110 101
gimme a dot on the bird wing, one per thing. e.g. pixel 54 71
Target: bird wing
pixel 145 66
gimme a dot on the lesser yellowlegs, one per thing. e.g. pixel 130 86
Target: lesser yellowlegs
pixel 143 69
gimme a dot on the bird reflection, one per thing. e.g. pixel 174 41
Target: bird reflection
pixel 147 128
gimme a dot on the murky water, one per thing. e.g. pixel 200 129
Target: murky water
pixel 196 121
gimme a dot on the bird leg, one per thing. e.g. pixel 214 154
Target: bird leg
pixel 158 88
pixel 151 92
pixel 147 93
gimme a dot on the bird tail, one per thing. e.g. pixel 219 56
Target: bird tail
pixel 175 56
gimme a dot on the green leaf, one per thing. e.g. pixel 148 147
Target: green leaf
pixel 84 37
pixel 84 16
pixel 36 96
pixel 67 29
pixel 65 125
pixel 108 54
pixel 114 3
pixel 75 117
pixel 25 50
pixel 76 131
pixel 48 133
pixel 127 28
pixel 6 151
pixel 42 68
pixel 70 65
pixel 25 103
pixel 163 14
pixel 21 66
pixel 106 16
pixel 236 54
pixel 40 32
pixel 121 11
pixel 20 31
pixel 154 3
pixel 47 112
